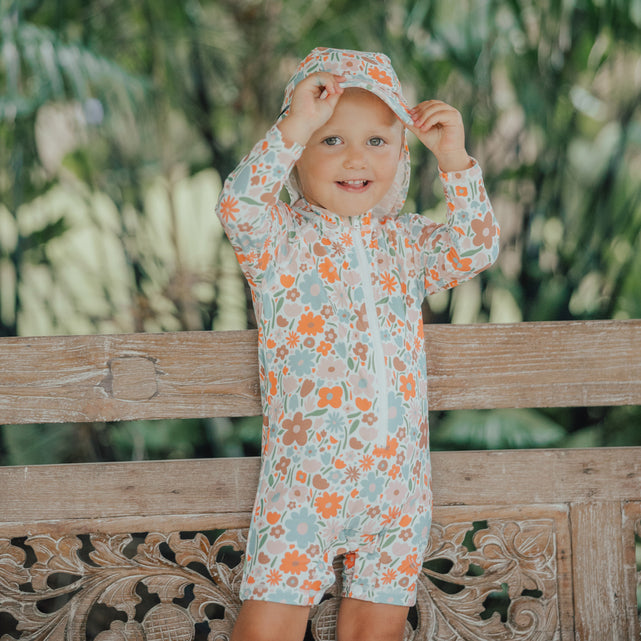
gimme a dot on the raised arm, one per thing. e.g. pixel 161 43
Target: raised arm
pixel 468 242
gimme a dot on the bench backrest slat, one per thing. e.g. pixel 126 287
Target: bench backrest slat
pixel 203 374
pixel 550 534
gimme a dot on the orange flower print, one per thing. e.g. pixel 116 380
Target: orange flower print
pixel 292 339
pixel 324 348
pixel 461 191
pixel 273 578
pixel 389 450
pixel 484 231
pixel 460 264
pixel 314 586
pixel 389 576
pixel 408 386
pixel 327 505
pixel 294 563
pixel 328 271
pixel 380 76
pixel 229 207
pixel 311 324
pixel 287 280
pixel 273 381
pixel 296 429
pixel 332 396
pixel 392 515
pixel 410 565
pixel 367 462
pixel 388 282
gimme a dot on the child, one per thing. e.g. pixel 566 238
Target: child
pixel 337 278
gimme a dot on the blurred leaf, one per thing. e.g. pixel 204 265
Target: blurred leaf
pixel 153 440
pixel 42 236
pixel 496 429
pixel 40 67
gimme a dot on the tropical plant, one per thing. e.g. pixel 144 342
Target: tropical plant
pixel 118 121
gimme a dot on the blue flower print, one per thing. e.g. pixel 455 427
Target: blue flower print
pixel 373 486
pixel 313 291
pixel 301 527
pixel 242 180
pixel 301 362
pixel 335 424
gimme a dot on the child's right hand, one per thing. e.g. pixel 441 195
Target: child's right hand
pixel 313 103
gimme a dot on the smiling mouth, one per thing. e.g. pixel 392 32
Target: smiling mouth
pixel 353 184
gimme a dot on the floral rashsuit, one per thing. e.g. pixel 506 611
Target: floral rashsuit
pixel 345 459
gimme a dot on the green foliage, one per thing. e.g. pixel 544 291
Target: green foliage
pixel 118 121
pixel 495 429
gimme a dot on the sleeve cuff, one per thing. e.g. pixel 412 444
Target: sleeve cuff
pixel 462 177
pixel 276 140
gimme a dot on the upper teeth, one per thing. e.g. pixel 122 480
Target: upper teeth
pixel 354 182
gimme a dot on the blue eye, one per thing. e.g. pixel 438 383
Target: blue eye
pixel 332 141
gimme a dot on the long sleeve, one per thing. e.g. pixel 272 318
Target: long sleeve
pixel 249 207
pixel 467 243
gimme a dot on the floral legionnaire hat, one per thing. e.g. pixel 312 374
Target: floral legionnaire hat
pixel 365 70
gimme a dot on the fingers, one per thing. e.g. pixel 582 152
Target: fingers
pixel 317 91
pixel 433 113
pixel 312 105
pixel 439 127
pixel 326 84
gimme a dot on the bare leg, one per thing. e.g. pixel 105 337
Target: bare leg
pixel 364 621
pixel 266 621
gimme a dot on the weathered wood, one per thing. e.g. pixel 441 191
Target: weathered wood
pixel 550 534
pixel 556 364
pixel 631 527
pixel 477 552
pixel 129 376
pixel 145 489
pixel 227 486
pixel 601 613
pixel 202 374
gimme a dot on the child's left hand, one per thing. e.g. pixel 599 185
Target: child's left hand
pixel 440 128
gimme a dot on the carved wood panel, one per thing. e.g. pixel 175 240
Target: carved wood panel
pixel 488 575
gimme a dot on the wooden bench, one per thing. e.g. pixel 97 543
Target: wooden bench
pixel 532 544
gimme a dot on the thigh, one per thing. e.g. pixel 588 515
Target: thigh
pixel 365 621
pixel 268 621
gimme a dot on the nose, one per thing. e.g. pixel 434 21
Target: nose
pixel 354 157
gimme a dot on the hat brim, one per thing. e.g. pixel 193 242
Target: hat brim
pixel 390 98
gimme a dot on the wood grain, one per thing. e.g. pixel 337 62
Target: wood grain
pixel 129 376
pixel 599 572
pixel 556 364
pixel 227 486
pixel 589 501
pixel 631 526
pixel 202 374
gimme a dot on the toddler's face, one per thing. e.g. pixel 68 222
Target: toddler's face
pixel 350 163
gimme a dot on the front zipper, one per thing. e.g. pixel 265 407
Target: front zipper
pixel 372 321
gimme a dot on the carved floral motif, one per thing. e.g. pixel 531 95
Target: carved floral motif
pixel 490 580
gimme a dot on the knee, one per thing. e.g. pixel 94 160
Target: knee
pixel 265 621
pixel 368 634
pixel 363 621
